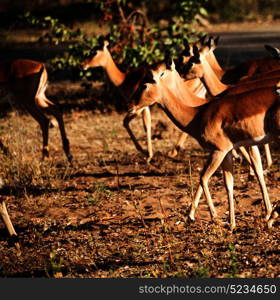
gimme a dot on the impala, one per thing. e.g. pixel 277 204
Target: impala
pixel 198 66
pixel 181 91
pixel 24 82
pixel 246 119
pixel 246 70
pixel 128 83
pixel 251 68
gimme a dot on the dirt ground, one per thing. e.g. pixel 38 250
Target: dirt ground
pixel 113 215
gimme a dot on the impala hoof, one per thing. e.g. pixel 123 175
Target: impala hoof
pixel 173 153
pixel 266 172
pixel 268 216
pixel 70 158
pixel 149 159
pixel 270 223
pixel 233 228
pixel 191 217
pixel 273 217
pixel 250 177
pixel 45 152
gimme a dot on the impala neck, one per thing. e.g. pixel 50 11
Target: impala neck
pixel 179 112
pixel 212 82
pixel 211 58
pixel 197 89
pixel 186 91
pixel 115 75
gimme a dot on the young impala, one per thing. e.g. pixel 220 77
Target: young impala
pixel 128 83
pixel 24 82
pixel 246 119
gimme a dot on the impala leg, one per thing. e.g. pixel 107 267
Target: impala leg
pixel 235 154
pixel 227 166
pixel 147 121
pixel 43 121
pixel 268 157
pixel 174 152
pixel 8 222
pixel 247 157
pixel 65 142
pixel 128 118
pixel 195 202
pixel 257 165
pixel 214 162
pixel 274 215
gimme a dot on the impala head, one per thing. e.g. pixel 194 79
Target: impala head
pixel 164 68
pixel 147 93
pixel 193 67
pixel 212 43
pixel 152 87
pixel 201 42
pixel 97 57
pixel 184 55
pixel 188 52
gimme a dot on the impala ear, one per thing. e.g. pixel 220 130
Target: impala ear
pixel 216 40
pixel 202 39
pixel 100 40
pixel 196 53
pixel 168 59
pixel 186 51
pixel 275 52
pixel 186 43
pixel 210 42
pixel 172 67
pixel 201 42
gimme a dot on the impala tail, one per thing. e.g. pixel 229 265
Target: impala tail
pixel 40 98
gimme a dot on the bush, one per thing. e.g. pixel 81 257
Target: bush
pixel 134 40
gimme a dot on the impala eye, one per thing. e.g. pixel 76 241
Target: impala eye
pixel 161 74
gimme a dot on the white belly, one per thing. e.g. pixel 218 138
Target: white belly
pixel 259 140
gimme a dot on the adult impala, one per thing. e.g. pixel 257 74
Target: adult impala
pixel 24 82
pixel 247 119
pixel 247 70
pixel 127 84
pixel 198 66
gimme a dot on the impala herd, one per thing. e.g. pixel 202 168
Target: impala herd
pixel 224 110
